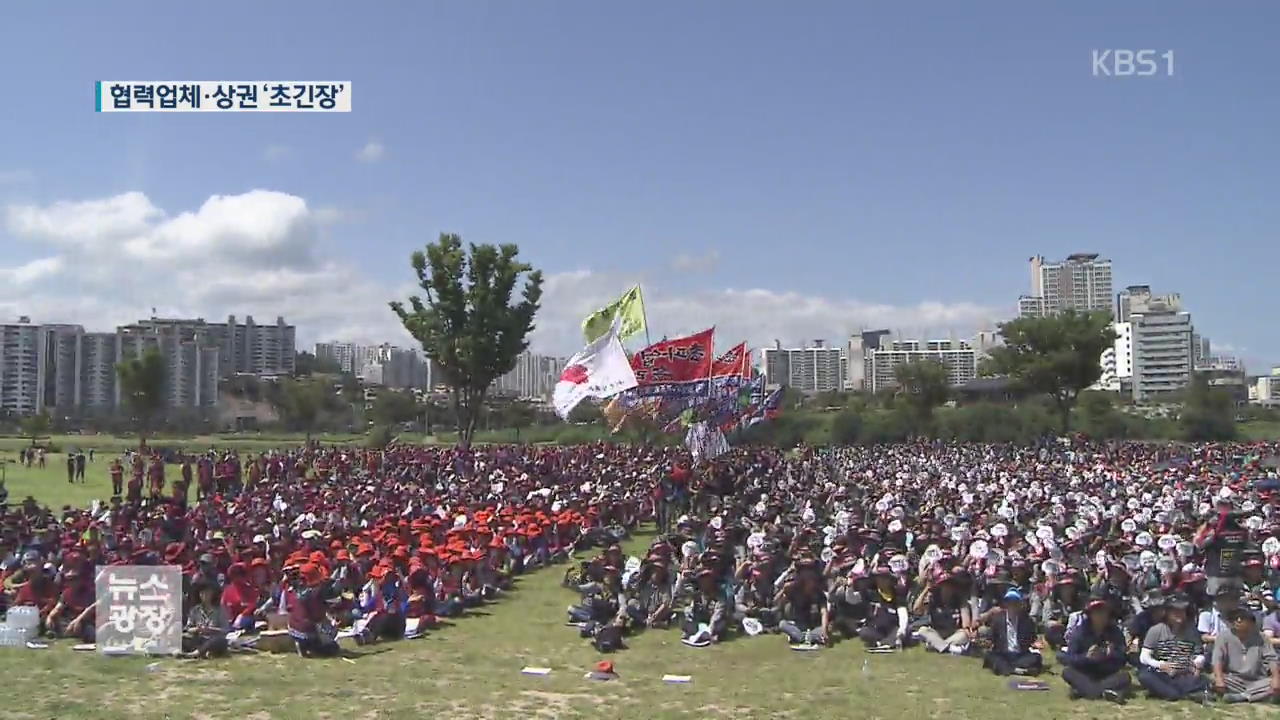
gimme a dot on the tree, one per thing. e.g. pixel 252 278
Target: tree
pixel 1099 418
pixel 467 323
pixel 924 386
pixel 302 402
pixel 519 416
pixel 1058 356
pixel 392 407
pixel 1208 413
pixel 304 364
pixel 36 425
pixel 142 384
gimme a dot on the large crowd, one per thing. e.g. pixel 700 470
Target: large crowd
pixel 1122 561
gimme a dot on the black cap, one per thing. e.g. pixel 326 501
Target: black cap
pixel 1177 601
pixel 1241 614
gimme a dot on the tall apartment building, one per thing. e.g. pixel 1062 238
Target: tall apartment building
pixel 20 367
pixel 243 348
pixel 810 370
pixel 1201 349
pixel 392 366
pixel 957 356
pixel 61 368
pixel 534 376
pixel 1081 282
pixel 340 353
pixel 1162 353
pixel 856 355
pixel 1117 360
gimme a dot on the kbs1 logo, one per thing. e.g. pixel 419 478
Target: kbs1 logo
pixel 1132 63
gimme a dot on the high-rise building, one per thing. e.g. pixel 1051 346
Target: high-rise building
pixel 1201 349
pixel 243 348
pixel 391 366
pixel 533 377
pixel 957 356
pixel 1082 282
pixel 1162 354
pixel 856 354
pixel 20 367
pixel 810 370
pixel 1117 360
pixel 340 353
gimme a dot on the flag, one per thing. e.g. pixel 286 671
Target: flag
pixel 599 370
pixel 675 368
pixel 735 362
pixel 629 307
pixel 768 410
pixel 705 442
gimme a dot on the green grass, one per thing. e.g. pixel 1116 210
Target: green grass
pixel 1260 430
pixel 472 669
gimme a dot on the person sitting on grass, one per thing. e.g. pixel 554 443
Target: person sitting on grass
pixel 946 614
pixel 205 633
pixel 309 623
pixel 1095 664
pixel 379 607
pixel 802 605
pixel 1245 666
pixel 1173 654
pixel 886 625
pixel 650 603
pixel 73 615
pixel 1013 638
pixel 707 617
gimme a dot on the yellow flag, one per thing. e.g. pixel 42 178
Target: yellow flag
pixel 631 309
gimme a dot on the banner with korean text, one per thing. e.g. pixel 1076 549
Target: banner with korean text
pixel 675 368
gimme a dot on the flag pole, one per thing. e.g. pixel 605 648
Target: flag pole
pixel 644 313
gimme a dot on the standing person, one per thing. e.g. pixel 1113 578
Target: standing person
pixel 1173 654
pixel 1094 664
pixel 80 466
pixel 71 467
pixel 117 478
pixel 1245 666
pixel 90 454
pixel 1223 541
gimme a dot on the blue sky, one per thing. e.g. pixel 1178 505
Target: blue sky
pixel 785 170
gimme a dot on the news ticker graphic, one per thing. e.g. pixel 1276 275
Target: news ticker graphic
pixel 223 96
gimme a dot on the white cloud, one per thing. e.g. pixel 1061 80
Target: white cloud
pixel 372 152
pixel 686 262
pixel 110 260
pixel 253 253
pixel 14 177
pixel 31 272
pixel 757 315
pixel 276 153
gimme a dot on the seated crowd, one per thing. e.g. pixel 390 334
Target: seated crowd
pixel 323 542
pixel 1118 560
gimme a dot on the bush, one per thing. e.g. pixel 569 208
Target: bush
pixel 380 437
pixel 846 427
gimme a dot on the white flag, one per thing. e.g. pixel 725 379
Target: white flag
pixel 599 370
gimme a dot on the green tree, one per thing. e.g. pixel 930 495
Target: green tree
pixel 1098 417
pixel 301 404
pixel 466 322
pixel 519 415
pixel 304 364
pixel 1208 413
pixel 35 426
pixel 924 386
pixel 392 407
pixel 1057 356
pixel 142 384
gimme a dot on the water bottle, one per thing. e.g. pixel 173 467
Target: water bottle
pixel 866 668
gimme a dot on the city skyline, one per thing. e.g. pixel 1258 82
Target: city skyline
pixel 808 194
